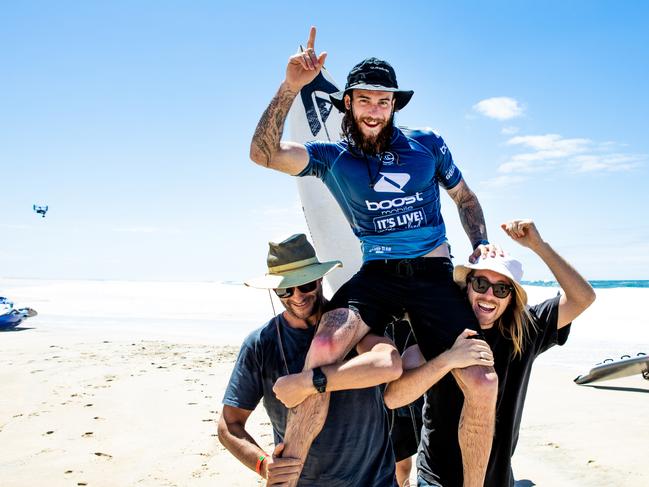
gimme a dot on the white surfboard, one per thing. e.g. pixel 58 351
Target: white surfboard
pixel 313 117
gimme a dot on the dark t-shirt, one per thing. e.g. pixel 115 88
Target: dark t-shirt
pixel 353 448
pixel 439 459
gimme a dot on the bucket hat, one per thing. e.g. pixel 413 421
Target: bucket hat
pixel 375 75
pixel 505 265
pixel 291 263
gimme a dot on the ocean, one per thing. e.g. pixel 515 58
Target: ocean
pixel 598 284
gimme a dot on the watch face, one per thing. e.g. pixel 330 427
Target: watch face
pixel 319 380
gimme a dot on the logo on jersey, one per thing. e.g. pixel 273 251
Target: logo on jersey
pixel 389 158
pixel 403 221
pixel 391 182
pixel 395 203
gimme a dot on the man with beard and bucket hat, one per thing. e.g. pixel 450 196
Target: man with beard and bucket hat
pixel 386 180
pixel 353 447
pixel 514 336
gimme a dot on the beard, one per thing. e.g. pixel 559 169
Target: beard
pixel 368 145
pixel 314 305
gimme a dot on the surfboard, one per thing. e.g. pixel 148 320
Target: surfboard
pixel 615 369
pixel 313 117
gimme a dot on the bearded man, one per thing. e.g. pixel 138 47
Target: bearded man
pixel 386 181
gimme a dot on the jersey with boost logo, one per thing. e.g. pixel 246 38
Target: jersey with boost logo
pixel 391 201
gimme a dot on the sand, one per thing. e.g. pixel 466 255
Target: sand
pixel 120 384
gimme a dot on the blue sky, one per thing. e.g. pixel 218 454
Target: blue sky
pixel 132 121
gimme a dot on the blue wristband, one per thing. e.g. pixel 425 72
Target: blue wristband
pixel 479 243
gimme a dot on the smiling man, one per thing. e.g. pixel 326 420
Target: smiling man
pixel 353 448
pixel 387 182
pixel 515 335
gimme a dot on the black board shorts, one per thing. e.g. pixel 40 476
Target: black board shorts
pixel 405 430
pixel 423 287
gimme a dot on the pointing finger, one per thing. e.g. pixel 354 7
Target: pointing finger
pixel 311 42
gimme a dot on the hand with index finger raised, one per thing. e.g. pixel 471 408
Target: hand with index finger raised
pixel 304 66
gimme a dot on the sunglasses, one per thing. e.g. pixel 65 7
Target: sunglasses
pixel 482 284
pixel 288 291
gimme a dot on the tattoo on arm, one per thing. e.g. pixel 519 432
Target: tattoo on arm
pixel 268 133
pixel 471 214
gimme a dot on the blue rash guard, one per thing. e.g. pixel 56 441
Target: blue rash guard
pixel 392 200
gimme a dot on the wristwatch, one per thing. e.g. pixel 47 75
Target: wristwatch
pixel 319 380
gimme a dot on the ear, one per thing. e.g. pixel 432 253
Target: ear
pixel 348 102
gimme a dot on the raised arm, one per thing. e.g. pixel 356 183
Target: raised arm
pixel 472 219
pixel 419 376
pixel 233 436
pixel 578 293
pixel 266 147
pixel 378 362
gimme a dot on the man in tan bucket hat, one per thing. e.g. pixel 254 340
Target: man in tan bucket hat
pixel 353 447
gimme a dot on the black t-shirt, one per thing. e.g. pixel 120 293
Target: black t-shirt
pixel 353 447
pixel 439 459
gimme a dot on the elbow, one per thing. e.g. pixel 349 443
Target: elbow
pixel 395 366
pixel 391 365
pixel 222 431
pixel 591 296
pixel 257 156
pixel 587 298
pixel 389 400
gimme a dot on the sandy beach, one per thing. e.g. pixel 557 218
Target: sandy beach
pixel 120 384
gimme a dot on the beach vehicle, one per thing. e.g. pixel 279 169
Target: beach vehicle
pixel 11 317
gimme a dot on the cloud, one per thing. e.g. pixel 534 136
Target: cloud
pixel 550 152
pixel 608 162
pixel 500 108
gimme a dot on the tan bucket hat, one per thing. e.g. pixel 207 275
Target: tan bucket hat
pixel 292 263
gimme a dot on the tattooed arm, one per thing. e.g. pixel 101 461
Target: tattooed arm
pixel 267 148
pixel 471 217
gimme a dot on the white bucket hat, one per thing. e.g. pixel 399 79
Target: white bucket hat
pixel 505 265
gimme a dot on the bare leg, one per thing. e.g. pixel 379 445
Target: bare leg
pixel 338 332
pixel 475 434
pixel 403 472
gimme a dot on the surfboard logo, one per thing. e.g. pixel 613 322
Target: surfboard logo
pixel 317 105
pixel 392 182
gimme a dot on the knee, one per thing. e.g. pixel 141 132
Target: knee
pixel 479 383
pixel 339 331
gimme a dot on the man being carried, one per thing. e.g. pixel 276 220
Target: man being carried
pixel 386 181
pixel 353 448
pixel 515 335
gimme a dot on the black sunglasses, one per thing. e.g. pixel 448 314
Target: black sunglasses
pixel 288 291
pixel 482 284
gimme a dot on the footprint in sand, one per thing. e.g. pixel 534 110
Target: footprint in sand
pixel 87 434
pixel 100 454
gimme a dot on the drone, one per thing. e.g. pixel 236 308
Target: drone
pixel 41 210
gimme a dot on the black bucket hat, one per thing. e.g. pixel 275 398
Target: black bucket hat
pixel 376 75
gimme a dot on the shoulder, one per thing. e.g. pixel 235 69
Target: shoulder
pixel 260 336
pixel 546 312
pixel 324 147
pixel 427 137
